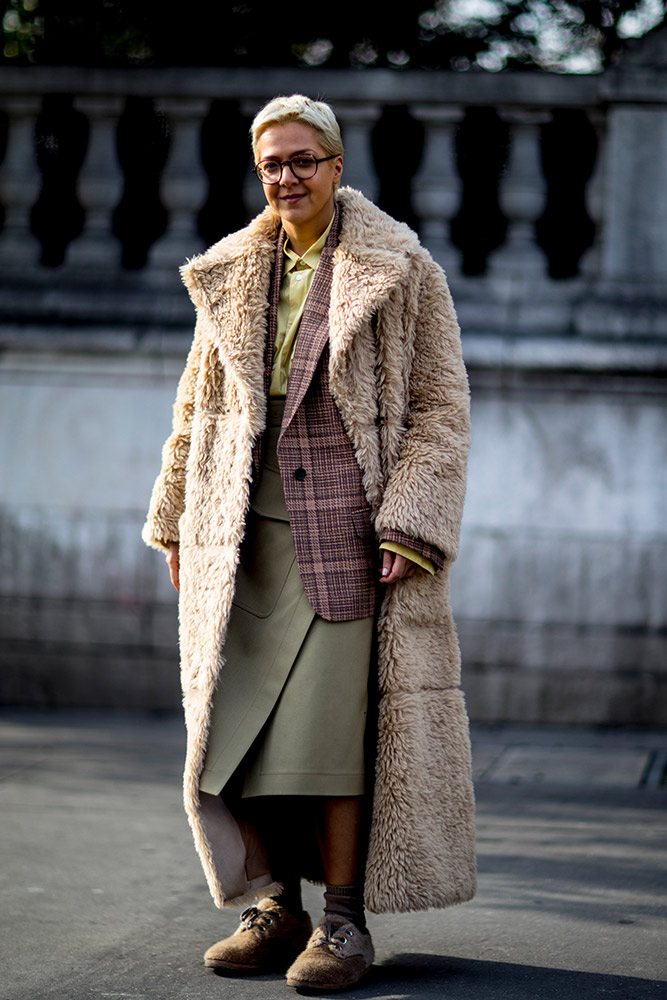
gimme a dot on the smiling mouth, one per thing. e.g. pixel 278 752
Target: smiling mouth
pixel 293 197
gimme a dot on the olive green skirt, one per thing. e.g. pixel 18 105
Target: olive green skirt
pixel 289 712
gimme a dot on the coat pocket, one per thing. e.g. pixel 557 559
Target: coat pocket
pixel 361 521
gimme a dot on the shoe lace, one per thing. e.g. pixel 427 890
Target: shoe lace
pixel 261 919
pixel 333 936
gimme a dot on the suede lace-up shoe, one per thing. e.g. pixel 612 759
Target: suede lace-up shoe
pixel 267 939
pixel 336 957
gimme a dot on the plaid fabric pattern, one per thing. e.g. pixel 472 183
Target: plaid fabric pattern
pixel 334 539
pixel 329 514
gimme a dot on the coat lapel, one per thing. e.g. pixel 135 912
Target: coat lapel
pixel 231 283
pixel 360 286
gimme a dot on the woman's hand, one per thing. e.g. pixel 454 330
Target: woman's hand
pixel 173 563
pixel 395 567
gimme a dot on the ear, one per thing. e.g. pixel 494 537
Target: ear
pixel 337 169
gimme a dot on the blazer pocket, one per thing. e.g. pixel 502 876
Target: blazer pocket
pixel 361 521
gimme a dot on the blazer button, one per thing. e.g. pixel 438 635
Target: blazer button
pixel 300 474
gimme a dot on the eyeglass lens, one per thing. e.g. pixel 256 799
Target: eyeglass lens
pixel 302 167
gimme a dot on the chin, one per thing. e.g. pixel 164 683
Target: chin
pixel 294 215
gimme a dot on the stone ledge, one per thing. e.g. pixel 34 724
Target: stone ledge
pixel 563 353
pixel 89 347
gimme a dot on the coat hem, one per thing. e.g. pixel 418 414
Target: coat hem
pixel 251 896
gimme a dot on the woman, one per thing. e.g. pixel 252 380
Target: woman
pixel 319 449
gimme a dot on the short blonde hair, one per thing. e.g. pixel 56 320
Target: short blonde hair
pixel 295 108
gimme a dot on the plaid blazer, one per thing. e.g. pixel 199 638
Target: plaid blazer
pixel 334 539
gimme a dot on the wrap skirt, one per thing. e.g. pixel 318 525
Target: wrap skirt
pixel 289 713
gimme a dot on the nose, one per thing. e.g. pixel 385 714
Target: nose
pixel 288 177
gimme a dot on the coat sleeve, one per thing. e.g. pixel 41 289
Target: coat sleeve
pixel 431 557
pixel 424 494
pixel 168 497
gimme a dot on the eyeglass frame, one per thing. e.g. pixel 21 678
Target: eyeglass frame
pixel 288 163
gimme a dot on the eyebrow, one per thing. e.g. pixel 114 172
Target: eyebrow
pixel 295 153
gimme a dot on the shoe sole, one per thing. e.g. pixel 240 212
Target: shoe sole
pixel 248 970
pixel 326 987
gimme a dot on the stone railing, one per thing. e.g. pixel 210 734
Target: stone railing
pixel 526 187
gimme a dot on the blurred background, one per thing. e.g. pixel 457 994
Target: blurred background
pixel 525 141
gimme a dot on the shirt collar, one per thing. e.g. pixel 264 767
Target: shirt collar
pixel 311 257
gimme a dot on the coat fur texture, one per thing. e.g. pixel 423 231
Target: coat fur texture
pixel 397 377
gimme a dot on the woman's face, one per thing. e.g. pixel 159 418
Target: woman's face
pixel 305 206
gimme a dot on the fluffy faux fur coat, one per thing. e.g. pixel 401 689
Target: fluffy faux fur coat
pixel 397 377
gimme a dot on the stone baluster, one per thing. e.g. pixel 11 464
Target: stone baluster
pixel 634 237
pixel 437 185
pixel 254 198
pixel 595 197
pixel 19 182
pixel 184 184
pixel 356 122
pixel 100 186
pixel 522 198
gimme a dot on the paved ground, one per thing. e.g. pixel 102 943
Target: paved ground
pixel 102 894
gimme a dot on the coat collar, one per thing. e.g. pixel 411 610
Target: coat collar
pixel 230 282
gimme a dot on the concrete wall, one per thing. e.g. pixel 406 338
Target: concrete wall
pixel 559 591
pixel 560 588
pixel 88 613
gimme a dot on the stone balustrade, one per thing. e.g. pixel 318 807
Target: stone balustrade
pixel 597 248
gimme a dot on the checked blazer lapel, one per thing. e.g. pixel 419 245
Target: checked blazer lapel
pixel 314 329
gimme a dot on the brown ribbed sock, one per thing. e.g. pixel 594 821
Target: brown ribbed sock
pixel 347 901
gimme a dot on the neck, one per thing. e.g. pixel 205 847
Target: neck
pixel 301 238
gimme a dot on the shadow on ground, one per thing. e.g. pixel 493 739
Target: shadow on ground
pixel 429 976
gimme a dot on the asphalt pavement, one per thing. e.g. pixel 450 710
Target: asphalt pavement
pixel 103 897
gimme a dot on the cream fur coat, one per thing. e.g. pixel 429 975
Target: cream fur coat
pixel 397 377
